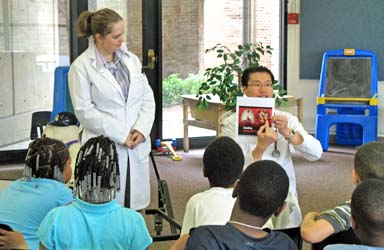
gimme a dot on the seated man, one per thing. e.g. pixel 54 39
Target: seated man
pixel 260 193
pixel 275 141
pixel 95 220
pixel 367 208
pixel 368 163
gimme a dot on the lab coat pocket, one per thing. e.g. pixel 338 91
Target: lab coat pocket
pixel 138 83
pixel 142 150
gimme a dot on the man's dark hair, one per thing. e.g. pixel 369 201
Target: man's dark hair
pixel 250 70
pixel 367 207
pixel 263 187
pixel 369 160
pixel 223 162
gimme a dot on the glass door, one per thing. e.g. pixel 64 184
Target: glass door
pixel 34 40
pixel 191 27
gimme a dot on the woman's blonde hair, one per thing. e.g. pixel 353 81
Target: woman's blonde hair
pixel 89 23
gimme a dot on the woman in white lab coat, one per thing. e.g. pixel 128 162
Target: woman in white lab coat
pixel 111 97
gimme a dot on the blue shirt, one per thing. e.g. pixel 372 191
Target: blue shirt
pixel 83 225
pixel 24 205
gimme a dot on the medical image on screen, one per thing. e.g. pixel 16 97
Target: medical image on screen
pixel 348 77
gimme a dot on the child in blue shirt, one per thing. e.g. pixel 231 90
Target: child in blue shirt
pixel 95 220
pixel 25 202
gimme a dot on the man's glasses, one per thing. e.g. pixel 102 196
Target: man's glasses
pixel 259 84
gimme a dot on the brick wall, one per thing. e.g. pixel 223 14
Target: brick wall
pixel 182 36
pixel 191 26
pixel 223 24
pixel 134 31
pixel 182 28
pixel 267 31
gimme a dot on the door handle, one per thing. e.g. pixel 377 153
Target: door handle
pixel 151 59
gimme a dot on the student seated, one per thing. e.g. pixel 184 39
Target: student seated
pixel 368 163
pixel 223 162
pixel 367 209
pixel 25 202
pixel 95 220
pixel 260 193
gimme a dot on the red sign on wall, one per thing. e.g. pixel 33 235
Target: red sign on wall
pixel 293 18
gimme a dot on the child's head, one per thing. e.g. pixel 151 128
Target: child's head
pixel 223 162
pixel 48 158
pixel 368 161
pixel 367 209
pixel 262 188
pixel 97 175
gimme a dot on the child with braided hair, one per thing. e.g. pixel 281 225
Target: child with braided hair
pixel 25 202
pixel 95 220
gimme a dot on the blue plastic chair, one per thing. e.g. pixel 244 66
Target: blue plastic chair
pixel 352 107
pixel 61 97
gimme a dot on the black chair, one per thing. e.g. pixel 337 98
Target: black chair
pixel 39 120
pixel 345 237
pixel 294 234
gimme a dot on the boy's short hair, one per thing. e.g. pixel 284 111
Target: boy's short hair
pixel 46 158
pixel 258 69
pixel 369 161
pixel 263 187
pixel 97 175
pixel 367 206
pixel 223 162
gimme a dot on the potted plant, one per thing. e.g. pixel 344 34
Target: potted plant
pixel 224 80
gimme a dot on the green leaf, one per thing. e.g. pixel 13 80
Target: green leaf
pixel 222 80
pixel 260 50
pixel 238 53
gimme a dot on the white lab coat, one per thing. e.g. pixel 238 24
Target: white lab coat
pixel 100 106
